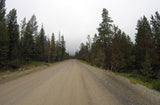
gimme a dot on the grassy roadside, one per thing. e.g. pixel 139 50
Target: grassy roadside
pixel 24 67
pixel 88 63
pixel 136 78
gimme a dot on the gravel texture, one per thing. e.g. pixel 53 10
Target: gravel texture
pixel 74 83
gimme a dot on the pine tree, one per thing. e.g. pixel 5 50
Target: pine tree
pixel 105 34
pixel 89 47
pixel 147 67
pixel 53 49
pixel 21 45
pixel 144 42
pixel 13 33
pixel 37 48
pixel 83 53
pixel 155 22
pixel 97 54
pixel 121 48
pixel 22 28
pixel 34 27
pixel 28 43
pixel 58 48
pixel 47 51
pixel 42 43
pixel 117 57
pixel 62 47
pixel 4 39
pixel 28 39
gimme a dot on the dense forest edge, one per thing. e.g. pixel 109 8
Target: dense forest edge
pixel 24 44
pixel 113 50
pixel 110 49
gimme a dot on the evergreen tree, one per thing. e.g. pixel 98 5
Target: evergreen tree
pixel 144 42
pixel 89 47
pixel 62 47
pixel 147 67
pixel 57 51
pixel 105 34
pixel 97 54
pixel 4 39
pixel 21 45
pixel 116 54
pixel 155 22
pixel 83 53
pixel 121 51
pixel 47 51
pixel 13 33
pixel 34 26
pixel 38 49
pixel 2 10
pixel 53 48
pixel 42 44
pixel 28 42
pixel 22 28
pixel 58 48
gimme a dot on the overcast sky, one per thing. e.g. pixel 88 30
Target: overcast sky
pixel 76 19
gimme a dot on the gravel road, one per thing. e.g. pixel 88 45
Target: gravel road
pixel 74 83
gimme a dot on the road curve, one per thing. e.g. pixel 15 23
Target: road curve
pixel 74 83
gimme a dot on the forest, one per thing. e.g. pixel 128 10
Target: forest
pixel 21 44
pixel 110 49
pixel 113 50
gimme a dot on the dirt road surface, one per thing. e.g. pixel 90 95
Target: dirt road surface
pixel 74 83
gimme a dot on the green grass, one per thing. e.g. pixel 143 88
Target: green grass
pixel 136 78
pixel 143 80
pixel 4 73
pixel 27 66
pixel 34 64
pixel 89 63
pixel 84 62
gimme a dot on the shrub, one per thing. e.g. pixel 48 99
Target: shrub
pixel 156 85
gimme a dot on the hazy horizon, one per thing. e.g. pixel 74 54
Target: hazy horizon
pixel 76 19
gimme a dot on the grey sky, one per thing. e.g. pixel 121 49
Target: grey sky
pixel 78 18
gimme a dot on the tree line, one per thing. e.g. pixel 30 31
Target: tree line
pixel 20 44
pixel 112 49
